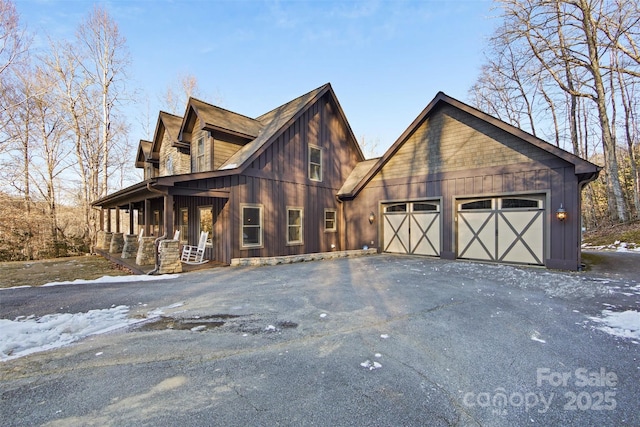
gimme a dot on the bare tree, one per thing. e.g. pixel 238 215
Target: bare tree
pixel 176 96
pixel 370 147
pixel 105 61
pixel 13 51
pixel 564 37
pixel 13 41
pixel 51 150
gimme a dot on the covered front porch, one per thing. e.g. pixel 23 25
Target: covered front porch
pixel 136 222
pixel 130 264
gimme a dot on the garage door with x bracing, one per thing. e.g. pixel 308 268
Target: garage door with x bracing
pixel 412 228
pixel 501 229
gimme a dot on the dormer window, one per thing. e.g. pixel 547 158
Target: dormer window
pixel 315 163
pixel 169 165
pixel 200 158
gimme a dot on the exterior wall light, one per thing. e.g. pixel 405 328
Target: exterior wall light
pixel 372 217
pixel 561 214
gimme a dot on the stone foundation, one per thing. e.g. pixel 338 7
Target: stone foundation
pixel 169 257
pixel 117 243
pixel 146 251
pixel 106 240
pixel 99 239
pixel 103 239
pixel 130 247
pixel 289 259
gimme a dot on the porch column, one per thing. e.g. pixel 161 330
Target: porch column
pixel 168 216
pixel 102 219
pixel 109 220
pixel 147 217
pixel 117 220
pixel 131 219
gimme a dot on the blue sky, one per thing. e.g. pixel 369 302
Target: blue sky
pixel 385 59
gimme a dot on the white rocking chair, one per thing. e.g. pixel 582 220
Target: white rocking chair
pixel 194 254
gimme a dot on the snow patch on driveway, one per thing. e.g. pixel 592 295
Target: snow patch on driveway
pixel 27 335
pixel 625 324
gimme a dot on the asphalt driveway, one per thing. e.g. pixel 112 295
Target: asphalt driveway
pixel 378 340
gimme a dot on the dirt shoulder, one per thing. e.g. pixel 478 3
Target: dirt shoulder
pixel 37 273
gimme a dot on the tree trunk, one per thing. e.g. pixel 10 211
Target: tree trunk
pixel 614 189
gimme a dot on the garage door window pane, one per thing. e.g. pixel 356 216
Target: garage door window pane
pixel 401 207
pixel 476 204
pixel 422 207
pixel 520 203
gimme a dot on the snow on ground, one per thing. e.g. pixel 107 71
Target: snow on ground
pixel 29 335
pixel 115 279
pixel 104 279
pixel 625 324
pixel 552 283
pixel 617 246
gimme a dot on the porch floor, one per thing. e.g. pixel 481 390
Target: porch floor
pixel 130 263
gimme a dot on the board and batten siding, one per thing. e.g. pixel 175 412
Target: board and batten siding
pixel 277 179
pixel 452 155
pixel 220 250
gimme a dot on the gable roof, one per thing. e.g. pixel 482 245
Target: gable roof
pixel 356 175
pixel 277 120
pixel 144 148
pixel 582 167
pixel 169 123
pixel 216 118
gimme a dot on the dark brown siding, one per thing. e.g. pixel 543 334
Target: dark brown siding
pixel 220 209
pixel 278 179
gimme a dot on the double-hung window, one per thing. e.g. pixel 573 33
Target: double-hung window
pixel 200 156
pixel 294 226
pixel 251 226
pixel 315 163
pixel 330 220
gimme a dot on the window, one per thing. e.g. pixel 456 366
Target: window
pixel 330 220
pixel 315 163
pixel 205 220
pixel 294 226
pixel 169 165
pixel 200 158
pixel 183 225
pixel 251 226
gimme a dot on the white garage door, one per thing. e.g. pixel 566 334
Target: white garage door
pixel 501 229
pixel 412 228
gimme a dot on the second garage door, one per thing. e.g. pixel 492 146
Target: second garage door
pixel 502 229
pixel 412 228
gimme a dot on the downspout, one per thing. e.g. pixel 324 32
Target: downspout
pixel 581 184
pixel 343 238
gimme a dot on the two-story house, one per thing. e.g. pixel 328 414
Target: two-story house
pixel 457 184
pixel 260 186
